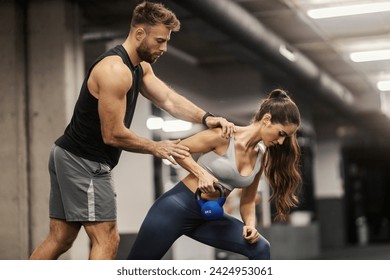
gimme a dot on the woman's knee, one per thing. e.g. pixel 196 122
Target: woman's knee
pixel 262 250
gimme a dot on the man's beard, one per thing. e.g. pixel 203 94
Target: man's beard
pixel 145 55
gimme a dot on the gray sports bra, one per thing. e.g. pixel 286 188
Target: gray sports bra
pixel 224 167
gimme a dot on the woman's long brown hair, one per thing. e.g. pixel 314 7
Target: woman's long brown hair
pixel 281 162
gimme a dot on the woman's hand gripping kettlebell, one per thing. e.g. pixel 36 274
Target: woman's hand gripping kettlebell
pixel 211 209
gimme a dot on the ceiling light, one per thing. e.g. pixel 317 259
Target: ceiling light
pixel 153 123
pixel 383 85
pixel 176 126
pixel 370 56
pixel 349 10
pixel 287 53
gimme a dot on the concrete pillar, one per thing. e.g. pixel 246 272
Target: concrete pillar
pixel 13 148
pixel 327 166
pixel 55 71
pixel 329 193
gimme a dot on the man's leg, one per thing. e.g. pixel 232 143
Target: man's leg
pixel 105 240
pixel 61 237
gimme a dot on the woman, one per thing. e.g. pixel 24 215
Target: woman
pixel 237 162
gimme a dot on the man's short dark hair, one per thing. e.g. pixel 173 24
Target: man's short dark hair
pixel 149 13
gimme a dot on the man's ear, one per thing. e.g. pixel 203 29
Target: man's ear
pixel 140 33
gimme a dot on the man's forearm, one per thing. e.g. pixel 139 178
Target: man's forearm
pixel 131 142
pixel 181 108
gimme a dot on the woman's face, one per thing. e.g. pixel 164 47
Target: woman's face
pixel 275 133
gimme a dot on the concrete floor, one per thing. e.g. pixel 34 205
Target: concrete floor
pixel 367 252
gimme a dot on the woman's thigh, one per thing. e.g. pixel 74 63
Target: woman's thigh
pixel 226 234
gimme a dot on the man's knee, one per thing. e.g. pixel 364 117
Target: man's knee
pixel 112 242
pixel 103 233
pixel 63 234
pixel 115 239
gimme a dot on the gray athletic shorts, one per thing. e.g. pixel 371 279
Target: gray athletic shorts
pixel 81 190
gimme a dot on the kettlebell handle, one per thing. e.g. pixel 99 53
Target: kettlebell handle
pixel 217 186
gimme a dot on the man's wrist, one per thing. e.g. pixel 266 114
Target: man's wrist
pixel 205 116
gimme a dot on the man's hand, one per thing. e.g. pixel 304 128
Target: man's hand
pixel 170 148
pixel 228 128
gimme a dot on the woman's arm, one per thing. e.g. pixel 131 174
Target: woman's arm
pixel 202 142
pixel 248 211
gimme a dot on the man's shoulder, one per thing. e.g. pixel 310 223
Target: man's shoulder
pixel 113 64
pixel 146 67
pixel 112 73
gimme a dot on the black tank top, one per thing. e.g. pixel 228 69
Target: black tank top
pixel 83 136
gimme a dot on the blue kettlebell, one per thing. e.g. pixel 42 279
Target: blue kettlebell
pixel 211 209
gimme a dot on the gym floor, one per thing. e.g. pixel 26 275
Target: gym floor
pixel 367 252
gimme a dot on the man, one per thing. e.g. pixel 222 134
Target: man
pixel 82 159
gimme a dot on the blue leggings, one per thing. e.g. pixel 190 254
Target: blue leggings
pixel 177 213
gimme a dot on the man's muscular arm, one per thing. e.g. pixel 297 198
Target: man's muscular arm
pixel 110 81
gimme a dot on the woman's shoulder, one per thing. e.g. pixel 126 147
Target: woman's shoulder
pixel 214 134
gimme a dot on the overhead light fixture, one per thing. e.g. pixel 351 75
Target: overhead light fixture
pixel 370 55
pixel 154 123
pixel 383 85
pixel 176 126
pixel 350 10
pixel 287 53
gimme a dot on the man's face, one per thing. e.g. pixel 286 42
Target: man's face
pixel 154 44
